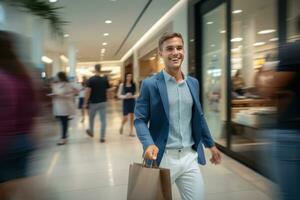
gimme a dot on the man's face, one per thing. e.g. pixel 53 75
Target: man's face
pixel 172 53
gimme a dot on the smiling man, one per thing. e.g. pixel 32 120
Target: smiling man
pixel 170 124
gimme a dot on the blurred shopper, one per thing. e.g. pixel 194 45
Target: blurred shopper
pixel 95 100
pixel 238 84
pixel 284 87
pixel 81 98
pixel 288 140
pixel 17 112
pixel 170 123
pixel 63 104
pixel 127 92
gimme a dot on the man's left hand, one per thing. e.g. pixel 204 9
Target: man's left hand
pixel 215 155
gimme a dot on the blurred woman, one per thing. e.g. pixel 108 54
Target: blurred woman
pixel 63 104
pixel 17 111
pixel 127 91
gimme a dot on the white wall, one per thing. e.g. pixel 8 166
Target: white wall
pixel 176 18
pixel 180 24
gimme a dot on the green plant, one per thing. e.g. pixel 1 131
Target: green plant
pixel 43 9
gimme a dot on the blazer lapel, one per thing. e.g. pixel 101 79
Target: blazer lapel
pixel 162 88
pixel 194 93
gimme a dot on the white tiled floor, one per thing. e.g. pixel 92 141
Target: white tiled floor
pixel 86 169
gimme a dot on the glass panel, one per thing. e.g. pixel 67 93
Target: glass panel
pixel 293 13
pixel 254 49
pixel 213 72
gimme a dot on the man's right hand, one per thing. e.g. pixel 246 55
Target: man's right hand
pixel 151 152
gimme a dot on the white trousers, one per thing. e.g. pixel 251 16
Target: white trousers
pixel 185 172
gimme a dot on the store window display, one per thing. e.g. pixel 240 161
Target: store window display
pixel 254 51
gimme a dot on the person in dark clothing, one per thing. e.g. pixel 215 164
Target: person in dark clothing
pixel 95 99
pixel 283 85
pixel 288 135
pixel 127 92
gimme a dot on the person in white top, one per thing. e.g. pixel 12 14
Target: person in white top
pixel 63 104
pixel 81 89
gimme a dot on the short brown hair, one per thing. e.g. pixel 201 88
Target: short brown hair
pixel 97 67
pixel 166 36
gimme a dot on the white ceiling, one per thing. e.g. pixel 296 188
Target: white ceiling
pixel 87 25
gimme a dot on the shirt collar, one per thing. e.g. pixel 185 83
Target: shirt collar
pixel 168 77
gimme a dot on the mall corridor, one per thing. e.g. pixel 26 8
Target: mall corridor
pixel 85 169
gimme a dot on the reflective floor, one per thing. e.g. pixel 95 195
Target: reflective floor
pixel 86 169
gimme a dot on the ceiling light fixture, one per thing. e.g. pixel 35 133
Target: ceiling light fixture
pixel 267 31
pixel 106 34
pixel 235 49
pixel 108 21
pixel 46 60
pixel 209 23
pixel 66 35
pixel 259 43
pixel 237 11
pixel 238 39
pixel 52 1
pixel 64 58
pixel 222 31
pixel 104 43
pixel 273 39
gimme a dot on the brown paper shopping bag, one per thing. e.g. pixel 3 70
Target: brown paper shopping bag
pixel 148 183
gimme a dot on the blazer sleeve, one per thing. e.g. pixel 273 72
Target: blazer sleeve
pixel 207 140
pixel 142 116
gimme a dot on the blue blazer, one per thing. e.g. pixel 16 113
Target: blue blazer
pixel 152 116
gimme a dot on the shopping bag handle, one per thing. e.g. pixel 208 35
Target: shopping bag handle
pixel 152 165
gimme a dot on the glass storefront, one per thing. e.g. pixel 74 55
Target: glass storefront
pixel 254 46
pixel 213 67
pixel 235 40
pixel 293 11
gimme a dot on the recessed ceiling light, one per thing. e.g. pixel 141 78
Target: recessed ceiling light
pixel 66 35
pixel 237 11
pixel 273 39
pixel 106 34
pixel 102 50
pixel 212 45
pixel 235 49
pixel 104 43
pixel 52 1
pixel 222 31
pixel 238 39
pixel 46 59
pixel 267 31
pixel 259 43
pixel 209 23
pixel 108 21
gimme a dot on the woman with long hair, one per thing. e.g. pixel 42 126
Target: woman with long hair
pixel 63 104
pixel 126 92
